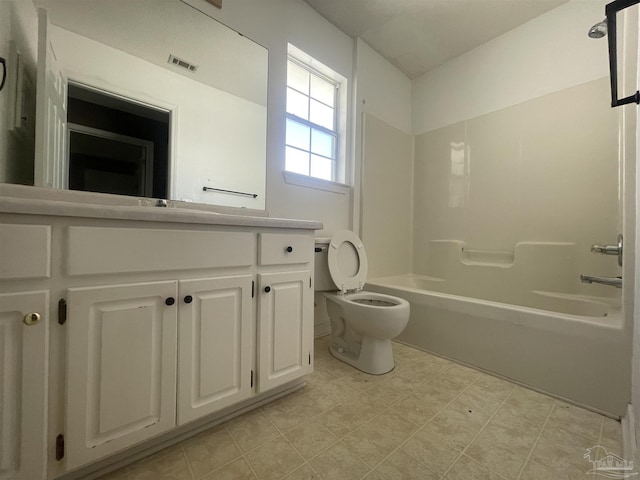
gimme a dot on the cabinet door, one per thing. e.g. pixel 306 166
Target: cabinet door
pixel 121 367
pixel 23 385
pixel 285 327
pixel 214 345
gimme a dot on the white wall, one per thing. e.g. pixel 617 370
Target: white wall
pixel 630 147
pixel 387 172
pixel 382 93
pixel 384 162
pixel 273 24
pixel 383 90
pixel 549 53
pixel 18 24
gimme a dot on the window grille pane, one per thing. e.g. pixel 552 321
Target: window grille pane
pixel 321 167
pixel 297 104
pixel 321 115
pixel 298 135
pixel 322 143
pixel 323 91
pixel 298 77
pixel 296 161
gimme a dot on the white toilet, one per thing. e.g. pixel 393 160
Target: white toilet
pixel 362 323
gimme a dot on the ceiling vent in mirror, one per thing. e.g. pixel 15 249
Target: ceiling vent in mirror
pixel 173 60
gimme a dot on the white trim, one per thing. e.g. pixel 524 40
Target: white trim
pixel 629 447
pixel 146 187
pixel 145 449
pixel 341 110
pixel 322 329
pixel 316 183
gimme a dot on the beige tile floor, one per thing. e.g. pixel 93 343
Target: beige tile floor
pixel 428 419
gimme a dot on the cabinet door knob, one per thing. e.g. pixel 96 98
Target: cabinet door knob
pixel 267 289
pixel 188 299
pixel 289 249
pixel 170 301
pixel 31 318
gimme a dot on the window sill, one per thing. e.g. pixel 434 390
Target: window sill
pixel 316 183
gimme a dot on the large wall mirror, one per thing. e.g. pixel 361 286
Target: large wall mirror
pixel 150 98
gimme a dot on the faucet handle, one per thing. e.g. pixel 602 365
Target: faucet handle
pixel 605 249
pixel 609 249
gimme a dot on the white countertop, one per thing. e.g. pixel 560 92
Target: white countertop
pixel 37 201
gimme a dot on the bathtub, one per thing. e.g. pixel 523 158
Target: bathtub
pixel 567 345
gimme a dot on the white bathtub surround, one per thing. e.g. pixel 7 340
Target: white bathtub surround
pixel 509 276
pixel 387 193
pixel 545 170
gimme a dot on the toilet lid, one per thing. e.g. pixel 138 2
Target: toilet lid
pixel 347 261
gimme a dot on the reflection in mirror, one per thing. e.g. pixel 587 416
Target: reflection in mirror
pixel 115 146
pixel 158 73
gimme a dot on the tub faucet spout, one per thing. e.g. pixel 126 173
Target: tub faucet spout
pixel 611 281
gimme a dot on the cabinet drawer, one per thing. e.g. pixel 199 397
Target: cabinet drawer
pixel 95 250
pixel 278 248
pixel 25 251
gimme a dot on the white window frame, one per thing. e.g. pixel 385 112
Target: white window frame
pixel 338 184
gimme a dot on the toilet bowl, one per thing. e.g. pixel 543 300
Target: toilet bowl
pixel 362 323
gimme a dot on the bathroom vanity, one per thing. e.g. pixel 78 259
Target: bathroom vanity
pixel 126 327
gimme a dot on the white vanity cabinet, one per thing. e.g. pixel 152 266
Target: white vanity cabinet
pixel 166 323
pixel 25 267
pixel 285 308
pixel 285 347
pixel 215 339
pixel 24 320
pixel 121 367
pixel 144 357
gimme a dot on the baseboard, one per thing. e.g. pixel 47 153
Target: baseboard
pixel 629 447
pixel 322 329
pixel 178 434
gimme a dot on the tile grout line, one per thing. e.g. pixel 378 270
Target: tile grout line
pixel 420 427
pixel 601 431
pixel 187 461
pixel 537 440
pixel 283 433
pixel 340 440
pixel 479 432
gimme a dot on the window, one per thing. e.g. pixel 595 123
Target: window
pixel 312 139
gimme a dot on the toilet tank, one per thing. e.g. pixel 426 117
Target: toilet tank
pixel 322 277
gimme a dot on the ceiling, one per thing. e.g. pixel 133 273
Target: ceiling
pixel 418 35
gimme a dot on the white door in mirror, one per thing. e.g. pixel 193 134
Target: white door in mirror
pixel 50 169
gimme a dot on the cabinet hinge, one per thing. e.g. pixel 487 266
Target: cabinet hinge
pixel 309 358
pixel 253 289
pixel 251 378
pixel 62 311
pixel 309 282
pixel 59 447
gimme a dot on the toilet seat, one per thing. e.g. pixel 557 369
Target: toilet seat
pixel 347 261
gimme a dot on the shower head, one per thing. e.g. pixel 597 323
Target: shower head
pixel 599 30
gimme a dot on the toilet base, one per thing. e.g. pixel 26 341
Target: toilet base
pixel 375 357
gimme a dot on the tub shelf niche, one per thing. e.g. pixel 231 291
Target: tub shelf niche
pixel 488 258
pixel 538 265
